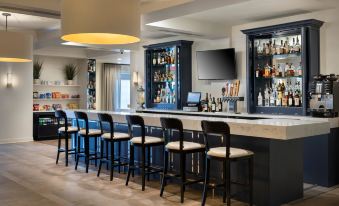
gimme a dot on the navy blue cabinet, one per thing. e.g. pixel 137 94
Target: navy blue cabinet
pixel 281 61
pixel 168 74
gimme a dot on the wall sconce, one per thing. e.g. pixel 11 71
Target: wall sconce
pixel 135 78
pixel 9 80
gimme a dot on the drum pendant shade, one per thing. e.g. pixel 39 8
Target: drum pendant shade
pixel 15 47
pixel 100 21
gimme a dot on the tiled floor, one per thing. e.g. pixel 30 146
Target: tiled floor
pixel 29 177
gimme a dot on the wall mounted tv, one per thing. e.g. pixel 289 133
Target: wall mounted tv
pixel 216 64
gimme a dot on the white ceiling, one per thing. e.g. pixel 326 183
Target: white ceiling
pixel 256 10
pixel 24 21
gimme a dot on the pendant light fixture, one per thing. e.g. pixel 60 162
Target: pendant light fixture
pixel 100 21
pixel 14 46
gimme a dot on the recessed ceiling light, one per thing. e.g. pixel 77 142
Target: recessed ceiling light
pixel 119 59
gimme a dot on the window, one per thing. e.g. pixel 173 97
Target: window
pixel 125 89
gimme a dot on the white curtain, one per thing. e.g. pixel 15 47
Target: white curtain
pixel 110 86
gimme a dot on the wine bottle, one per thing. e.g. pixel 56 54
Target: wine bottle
pixel 213 105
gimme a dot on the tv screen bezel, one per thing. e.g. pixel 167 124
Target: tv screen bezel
pixel 235 63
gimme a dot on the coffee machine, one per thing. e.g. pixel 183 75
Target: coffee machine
pixel 324 96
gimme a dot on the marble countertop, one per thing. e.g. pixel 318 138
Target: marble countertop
pixel 274 128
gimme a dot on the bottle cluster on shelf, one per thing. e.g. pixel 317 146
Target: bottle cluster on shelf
pixel 53 107
pixel 163 57
pixel 210 104
pixel 165 76
pixel 281 70
pixel 288 45
pixel 165 94
pixel 281 94
pixel 91 88
pixel 41 95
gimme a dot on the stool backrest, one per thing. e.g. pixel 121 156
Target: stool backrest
pixel 106 118
pixel 169 124
pixel 217 128
pixel 82 116
pixel 61 116
pixel 135 120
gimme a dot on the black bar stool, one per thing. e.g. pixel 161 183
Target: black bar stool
pixel 145 142
pixel 65 132
pixel 180 147
pixel 226 154
pixel 86 134
pixel 110 138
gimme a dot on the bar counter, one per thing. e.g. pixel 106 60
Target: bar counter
pixel 277 142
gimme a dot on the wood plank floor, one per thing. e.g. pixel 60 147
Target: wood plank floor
pixel 30 177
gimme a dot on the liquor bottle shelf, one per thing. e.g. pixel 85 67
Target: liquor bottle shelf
pixel 163 81
pixel 269 78
pixel 279 56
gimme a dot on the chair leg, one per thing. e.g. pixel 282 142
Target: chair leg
pixel 112 160
pixel 148 162
pixel 96 151
pixel 66 149
pixel 224 181
pixel 143 164
pixel 101 156
pixel 251 167
pixel 119 154
pixel 183 175
pixel 131 162
pixel 87 153
pixel 206 182
pixel 78 144
pixel 59 145
pixel 228 182
pixel 163 180
pixel 107 156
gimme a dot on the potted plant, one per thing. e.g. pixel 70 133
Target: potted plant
pixel 37 69
pixel 71 71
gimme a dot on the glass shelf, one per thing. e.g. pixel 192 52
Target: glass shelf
pixel 279 56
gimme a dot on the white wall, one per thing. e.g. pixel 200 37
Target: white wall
pixel 16 103
pixel 329 43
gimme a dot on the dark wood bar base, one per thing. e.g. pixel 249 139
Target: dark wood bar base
pixel 321 159
pixel 278 166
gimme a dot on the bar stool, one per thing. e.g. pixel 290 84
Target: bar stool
pixel 180 147
pixel 65 132
pixel 226 154
pixel 145 142
pixel 86 134
pixel 110 138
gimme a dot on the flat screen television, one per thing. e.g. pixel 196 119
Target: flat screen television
pixel 216 64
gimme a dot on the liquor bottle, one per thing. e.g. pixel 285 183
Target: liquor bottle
pixel 163 58
pixel 290 98
pixel 297 47
pixel 272 97
pixel 285 99
pixel 257 71
pixel 278 71
pixel 263 48
pixel 267 71
pixel 296 99
pixel 292 48
pixel 273 71
pixel 213 105
pixel 287 47
pixel 260 101
pixel 210 103
pixel 266 97
pixel 267 49
pixel 154 59
pixel 206 103
pixel 274 48
pixel 159 58
pixel 282 47
pixel 220 105
pixel 259 48
pixel 292 70
pixel 299 70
